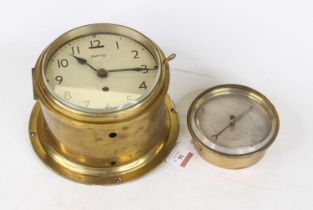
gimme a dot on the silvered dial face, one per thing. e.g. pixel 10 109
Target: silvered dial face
pixel 102 72
pixel 233 123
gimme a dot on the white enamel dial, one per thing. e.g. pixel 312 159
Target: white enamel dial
pixel 106 72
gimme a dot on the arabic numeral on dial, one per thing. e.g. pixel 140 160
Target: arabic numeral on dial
pixel 95 44
pixel 117 45
pixel 145 69
pixel 143 85
pixel 59 79
pixel 63 63
pixel 67 95
pixel 75 50
pixel 135 52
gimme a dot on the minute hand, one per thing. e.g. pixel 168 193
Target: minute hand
pixel 133 69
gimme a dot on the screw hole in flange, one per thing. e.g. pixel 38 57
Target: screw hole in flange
pixel 112 135
pixel 113 163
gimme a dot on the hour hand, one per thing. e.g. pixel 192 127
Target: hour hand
pixel 81 61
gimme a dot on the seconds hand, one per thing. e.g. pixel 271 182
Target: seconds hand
pixel 232 121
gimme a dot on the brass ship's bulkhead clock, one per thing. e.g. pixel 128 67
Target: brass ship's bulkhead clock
pixel 102 114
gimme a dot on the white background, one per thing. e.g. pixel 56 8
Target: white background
pixel 266 44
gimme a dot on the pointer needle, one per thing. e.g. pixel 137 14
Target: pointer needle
pixel 232 121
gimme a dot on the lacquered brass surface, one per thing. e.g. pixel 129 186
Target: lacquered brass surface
pixel 226 160
pixel 133 161
pixel 103 148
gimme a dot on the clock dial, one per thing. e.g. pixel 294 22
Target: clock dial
pixel 106 72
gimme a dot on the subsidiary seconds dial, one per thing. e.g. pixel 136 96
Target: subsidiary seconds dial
pixel 105 72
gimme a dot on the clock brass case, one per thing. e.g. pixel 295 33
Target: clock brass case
pixel 222 159
pixel 103 148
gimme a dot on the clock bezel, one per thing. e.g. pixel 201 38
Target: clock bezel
pixel 50 53
pixel 152 100
pixel 91 30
